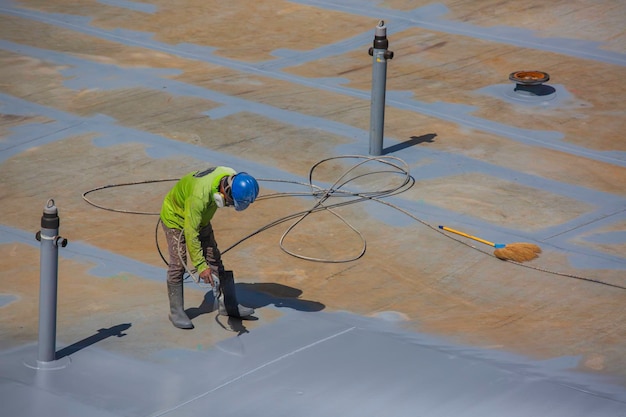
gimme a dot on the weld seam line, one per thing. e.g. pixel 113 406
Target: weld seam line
pixel 258 368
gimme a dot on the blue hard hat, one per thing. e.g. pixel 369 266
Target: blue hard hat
pixel 244 190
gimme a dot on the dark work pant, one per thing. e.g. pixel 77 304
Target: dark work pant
pixel 177 249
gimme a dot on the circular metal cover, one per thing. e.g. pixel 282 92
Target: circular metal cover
pixel 529 77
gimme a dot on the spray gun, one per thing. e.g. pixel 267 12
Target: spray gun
pixel 217 293
pixel 215 286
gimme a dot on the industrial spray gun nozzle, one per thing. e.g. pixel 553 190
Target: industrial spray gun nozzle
pixel 216 283
pixel 216 291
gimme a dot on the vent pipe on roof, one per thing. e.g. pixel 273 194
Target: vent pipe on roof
pixel 380 53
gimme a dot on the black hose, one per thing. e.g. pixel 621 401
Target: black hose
pixel 398 167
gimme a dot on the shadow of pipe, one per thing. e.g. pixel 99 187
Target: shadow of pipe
pixel 102 334
pixel 539 90
pixel 267 293
pixel 415 140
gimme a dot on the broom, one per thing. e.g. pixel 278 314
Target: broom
pixel 517 252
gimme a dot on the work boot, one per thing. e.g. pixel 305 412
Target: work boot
pixel 177 316
pixel 227 298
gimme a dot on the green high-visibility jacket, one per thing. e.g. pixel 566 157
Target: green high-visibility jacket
pixel 190 205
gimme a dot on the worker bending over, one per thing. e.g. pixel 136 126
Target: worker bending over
pixel 186 219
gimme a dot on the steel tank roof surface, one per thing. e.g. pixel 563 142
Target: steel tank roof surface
pixel 378 281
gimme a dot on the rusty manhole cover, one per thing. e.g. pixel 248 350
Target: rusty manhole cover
pixel 529 77
pixel 530 87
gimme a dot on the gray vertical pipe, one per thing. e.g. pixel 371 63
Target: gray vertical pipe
pixel 49 262
pixel 380 55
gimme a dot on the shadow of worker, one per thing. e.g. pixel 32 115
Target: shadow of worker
pixel 261 295
pixel 268 293
pixel 256 296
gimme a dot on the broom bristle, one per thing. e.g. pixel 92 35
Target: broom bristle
pixel 518 252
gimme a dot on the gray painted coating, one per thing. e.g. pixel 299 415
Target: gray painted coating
pixel 430 17
pixel 505 92
pixel 106 264
pixel 131 5
pixel 85 73
pixel 6 299
pixel 446 111
pixel 309 364
pixel 442 164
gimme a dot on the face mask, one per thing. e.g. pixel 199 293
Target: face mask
pixel 219 199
